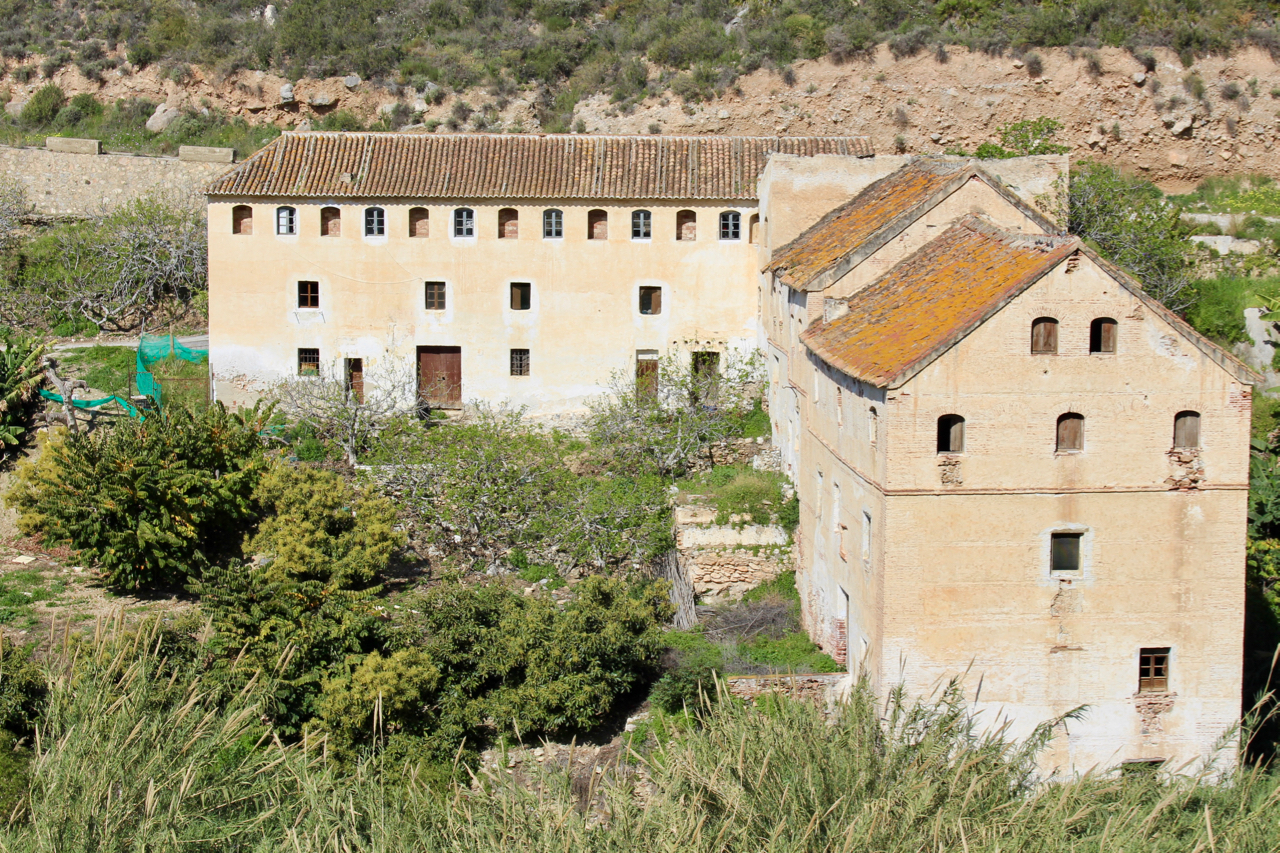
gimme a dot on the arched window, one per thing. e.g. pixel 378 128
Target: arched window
pixel 330 222
pixel 286 220
pixel 1186 430
pixel 951 434
pixel 641 225
pixel 242 219
pixel 873 425
pixel 1102 335
pixel 419 222
pixel 464 222
pixel 731 225
pixel 552 224
pixel 686 225
pixel 1044 336
pixel 508 223
pixel 1070 432
pixel 597 225
pixel 753 228
pixel 375 222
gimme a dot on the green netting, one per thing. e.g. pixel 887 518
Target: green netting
pixel 153 348
pixel 94 404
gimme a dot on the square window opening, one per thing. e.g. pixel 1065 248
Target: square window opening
pixel 308 361
pixel 521 295
pixel 1153 670
pixel 435 296
pixel 651 300
pixel 519 362
pixel 308 294
pixel 1064 552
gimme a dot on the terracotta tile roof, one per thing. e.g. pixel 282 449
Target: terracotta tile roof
pixel 846 236
pixel 930 300
pixel 417 165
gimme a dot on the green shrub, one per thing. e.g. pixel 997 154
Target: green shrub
pixel 141 55
pixel 43 107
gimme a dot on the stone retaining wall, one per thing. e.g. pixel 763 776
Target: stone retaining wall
pixel 824 688
pixel 715 573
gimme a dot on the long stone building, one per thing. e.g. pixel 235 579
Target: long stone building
pixel 1013 465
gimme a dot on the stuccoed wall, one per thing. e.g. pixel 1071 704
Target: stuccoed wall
pixel 70 186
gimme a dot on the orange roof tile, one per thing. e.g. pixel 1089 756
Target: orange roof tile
pixel 846 236
pixel 418 165
pixel 932 299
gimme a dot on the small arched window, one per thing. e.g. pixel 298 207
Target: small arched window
pixel 1044 336
pixel 508 223
pixel 597 225
pixel 419 222
pixel 552 224
pixel 753 228
pixel 1186 430
pixel 641 225
pixel 242 219
pixel 873 425
pixel 375 222
pixel 951 434
pixel 731 225
pixel 286 220
pixel 464 222
pixel 686 225
pixel 330 222
pixel 1070 432
pixel 1102 335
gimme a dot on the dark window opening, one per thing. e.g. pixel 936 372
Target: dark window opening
pixel 1102 335
pixel 464 222
pixel 355 378
pixel 519 362
pixel 1070 432
pixel 286 221
pixel 706 377
pixel 1186 430
pixel 330 222
pixel 647 373
pixel 308 294
pixel 308 362
pixel 651 300
pixel 1044 336
pixel 597 225
pixel 375 222
pixel 731 225
pixel 242 219
pixel 435 296
pixel 1153 670
pixel 686 225
pixel 521 295
pixel 641 225
pixel 508 224
pixel 552 224
pixel 419 222
pixel 951 434
pixel 1064 552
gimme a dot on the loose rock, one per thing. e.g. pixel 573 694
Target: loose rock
pixel 162 118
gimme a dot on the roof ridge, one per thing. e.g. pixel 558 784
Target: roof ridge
pixel 1016 239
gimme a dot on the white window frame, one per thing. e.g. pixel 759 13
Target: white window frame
pixel 286 221
pixel 731 226
pixel 464 222
pixel 375 222
pixel 553 224
pixel 641 225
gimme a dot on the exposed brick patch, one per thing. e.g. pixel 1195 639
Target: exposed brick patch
pixel 1150 706
pixel 1188 469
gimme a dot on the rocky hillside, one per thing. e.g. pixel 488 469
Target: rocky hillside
pixel 1176 125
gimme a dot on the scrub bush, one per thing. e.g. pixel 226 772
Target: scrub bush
pixel 43 107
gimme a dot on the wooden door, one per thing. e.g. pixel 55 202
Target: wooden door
pixel 440 376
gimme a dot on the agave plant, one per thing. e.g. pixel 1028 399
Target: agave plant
pixel 21 373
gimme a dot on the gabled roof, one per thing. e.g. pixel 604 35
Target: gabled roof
pixel 931 300
pixel 851 233
pixel 511 166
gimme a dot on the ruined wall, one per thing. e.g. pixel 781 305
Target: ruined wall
pixel 728 559
pixel 63 185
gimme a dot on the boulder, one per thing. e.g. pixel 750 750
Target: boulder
pixel 322 100
pixel 1178 158
pixel 387 109
pixel 269 15
pixel 419 105
pixel 1182 126
pixel 14 108
pixel 162 118
pixel 1139 79
pixel 351 81
pixel 286 93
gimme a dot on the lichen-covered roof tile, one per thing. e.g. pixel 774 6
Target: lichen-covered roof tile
pixel 932 299
pixel 513 166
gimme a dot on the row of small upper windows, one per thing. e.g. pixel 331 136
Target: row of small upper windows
pixel 464 223
pixel 1044 336
pixel 1070 432
pixel 650 298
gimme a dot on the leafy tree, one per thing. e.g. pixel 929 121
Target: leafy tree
pixel 1133 226
pixel 150 502
pixel 1027 138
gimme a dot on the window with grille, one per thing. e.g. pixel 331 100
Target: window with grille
pixel 552 224
pixel 731 225
pixel 950 434
pixel 651 300
pixel 1186 430
pixel 508 223
pixel 308 294
pixel 308 362
pixel 1153 670
pixel 419 222
pixel 641 225
pixel 1070 432
pixel 242 219
pixel 1044 336
pixel 519 362
pixel 435 296
pixel 521 295
pixel 375 222
pixel 1102 335
pixel 1064 552
pixel 464 222
pixel 286 220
